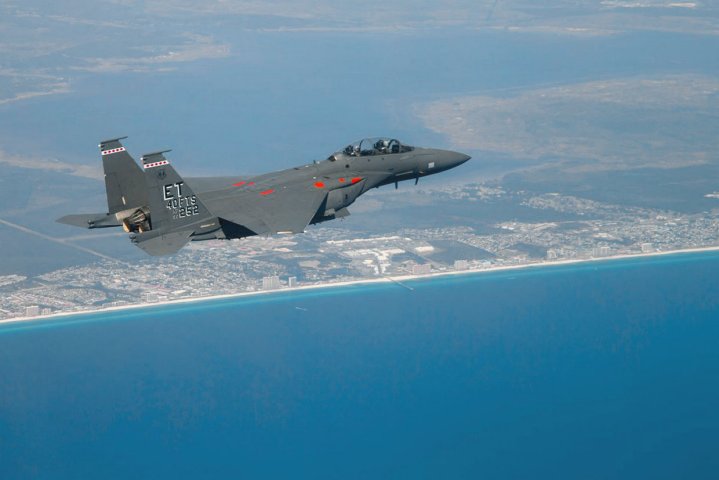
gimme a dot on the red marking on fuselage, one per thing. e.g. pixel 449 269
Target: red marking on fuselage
pixel 238 184
pixel 250 184
pixel 319 184
pixel 267 192
pixel 342 180
pixel 356 179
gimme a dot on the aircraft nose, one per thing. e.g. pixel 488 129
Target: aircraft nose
pixel 452 159
pixel 460 158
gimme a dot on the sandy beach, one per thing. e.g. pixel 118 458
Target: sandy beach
pixel 399 279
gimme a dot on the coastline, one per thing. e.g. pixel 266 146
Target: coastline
pixel 399 280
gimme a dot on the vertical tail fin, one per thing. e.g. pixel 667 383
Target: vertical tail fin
pixel 175 212
pixel 124 181
pixel 172 202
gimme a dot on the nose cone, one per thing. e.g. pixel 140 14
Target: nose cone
pixel 460 158
pixel 447 159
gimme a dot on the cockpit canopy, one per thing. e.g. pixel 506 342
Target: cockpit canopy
pixel 373 146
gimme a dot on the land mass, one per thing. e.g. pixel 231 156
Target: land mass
pixel 442 228
pixel 665 121
pixel 401 281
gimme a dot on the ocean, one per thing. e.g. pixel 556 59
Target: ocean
pixel 595 370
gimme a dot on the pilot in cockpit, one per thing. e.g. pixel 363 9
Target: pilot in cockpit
pixel 381 145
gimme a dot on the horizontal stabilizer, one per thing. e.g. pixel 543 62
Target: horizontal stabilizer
pixel 90 220
pixel 166 244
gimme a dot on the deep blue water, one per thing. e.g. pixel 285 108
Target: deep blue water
pixel 594 371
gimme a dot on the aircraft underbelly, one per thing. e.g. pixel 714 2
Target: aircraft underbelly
pixel 343 197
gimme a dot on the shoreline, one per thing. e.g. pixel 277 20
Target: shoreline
pixel 378 280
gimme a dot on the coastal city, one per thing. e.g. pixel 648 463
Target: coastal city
pixel 567 228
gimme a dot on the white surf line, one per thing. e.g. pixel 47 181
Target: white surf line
pixel 56 240
pixel 366 281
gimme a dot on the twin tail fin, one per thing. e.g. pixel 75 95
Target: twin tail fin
pixel 153 203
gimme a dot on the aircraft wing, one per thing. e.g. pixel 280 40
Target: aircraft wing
pixel 287 208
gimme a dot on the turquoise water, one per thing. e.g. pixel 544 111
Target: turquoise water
pixel 587 371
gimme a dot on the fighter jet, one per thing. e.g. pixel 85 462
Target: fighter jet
pixel 162 212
